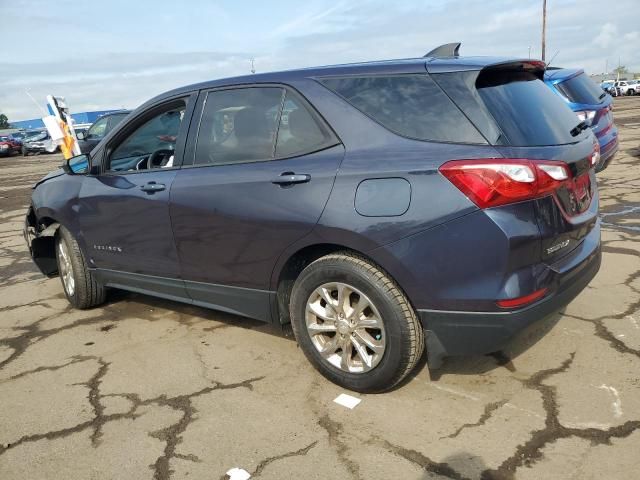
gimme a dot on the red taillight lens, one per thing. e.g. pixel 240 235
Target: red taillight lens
pixel 522 301
pixel 493 182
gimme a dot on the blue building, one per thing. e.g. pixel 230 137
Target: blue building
pixel 84 117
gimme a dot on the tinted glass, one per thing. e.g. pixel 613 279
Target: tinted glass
pixel 409 105
pixel 159 134
pixel 581 89
pixel 239 125
pixel 461 88
pixel 526 110
pixel 98 129
pixel 298 131
pixel 115 120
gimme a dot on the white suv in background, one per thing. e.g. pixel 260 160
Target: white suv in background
pixel 627 87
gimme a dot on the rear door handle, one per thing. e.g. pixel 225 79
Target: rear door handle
pixel 289 178
pixel 153 187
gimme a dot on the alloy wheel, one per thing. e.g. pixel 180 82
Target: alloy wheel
pixel 345 327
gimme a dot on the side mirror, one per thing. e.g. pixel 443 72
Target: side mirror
pixel 81 136
pixel 77 165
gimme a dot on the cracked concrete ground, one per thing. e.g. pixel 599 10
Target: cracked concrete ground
pixel 146 388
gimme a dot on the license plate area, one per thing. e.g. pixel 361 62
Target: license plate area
pixel 575 196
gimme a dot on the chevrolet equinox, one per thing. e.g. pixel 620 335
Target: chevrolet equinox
pixel 440 203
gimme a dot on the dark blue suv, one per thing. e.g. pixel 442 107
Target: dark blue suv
pixel 380 208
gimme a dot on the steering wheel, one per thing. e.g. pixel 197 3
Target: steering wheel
pixel 155 159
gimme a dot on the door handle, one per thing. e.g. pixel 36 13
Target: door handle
pixel 289 178
pixel 153 187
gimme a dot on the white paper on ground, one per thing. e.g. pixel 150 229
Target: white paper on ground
pixel 347 400
pixel 238 474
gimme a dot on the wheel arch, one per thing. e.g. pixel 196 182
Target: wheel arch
pixel 42 232
pixel 298 261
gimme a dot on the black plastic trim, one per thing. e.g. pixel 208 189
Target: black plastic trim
pixel 246 302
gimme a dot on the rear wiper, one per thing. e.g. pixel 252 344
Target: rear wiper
pixel 575 131
pixel 604 94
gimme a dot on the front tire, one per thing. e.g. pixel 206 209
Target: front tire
pixel 354 324
pixel 79 283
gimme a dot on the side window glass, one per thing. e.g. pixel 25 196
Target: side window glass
pixel 239 125
pixel 152 144
pixel 409 105
pixel 113 121
pixel 299 132
pixel 98 129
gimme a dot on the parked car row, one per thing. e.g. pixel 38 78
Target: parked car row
pixel 379 208
pixel 622 87
pixel 9 145
pixel 34 142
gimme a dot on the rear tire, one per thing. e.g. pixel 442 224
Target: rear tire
pixel 79 283
pixel 328 296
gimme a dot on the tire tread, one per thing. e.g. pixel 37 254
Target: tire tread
pixel 414 340
pixel 89 292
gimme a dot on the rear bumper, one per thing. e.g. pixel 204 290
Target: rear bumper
pixel 608 148
pixel 451 333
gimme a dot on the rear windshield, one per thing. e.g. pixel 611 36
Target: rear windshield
pixel 581 89
pixel 410 105
pixel 526 110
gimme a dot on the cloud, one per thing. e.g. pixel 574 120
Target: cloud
pixel 116 60
pixel 606 37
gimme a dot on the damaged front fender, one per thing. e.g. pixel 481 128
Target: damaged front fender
pixel 41 243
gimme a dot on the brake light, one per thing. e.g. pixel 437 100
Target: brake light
pixel 522 301
pixel 493 182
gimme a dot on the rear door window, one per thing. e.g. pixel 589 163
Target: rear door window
pixel 300 131
pixel 581 89
pixel 253 124
pixel 410 105
pixel 239 125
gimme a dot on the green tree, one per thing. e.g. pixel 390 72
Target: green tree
pixel 4 121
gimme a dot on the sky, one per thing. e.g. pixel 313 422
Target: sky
pixel 119 53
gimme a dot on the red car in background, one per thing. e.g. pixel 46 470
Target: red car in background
pixel 9 146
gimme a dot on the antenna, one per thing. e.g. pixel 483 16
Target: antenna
pixel 544 27
pixel 446 50
pixel 554 56
pixel 45 113
pixel 253 66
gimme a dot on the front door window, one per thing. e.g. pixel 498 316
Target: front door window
pixel 152 144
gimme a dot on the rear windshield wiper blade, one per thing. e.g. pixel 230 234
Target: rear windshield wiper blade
pixel 575 131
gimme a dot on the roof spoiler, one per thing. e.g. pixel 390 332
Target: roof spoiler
pixel 446 50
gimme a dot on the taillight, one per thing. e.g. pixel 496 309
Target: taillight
pixel 522 301
pixel 586 116
pixel 493 182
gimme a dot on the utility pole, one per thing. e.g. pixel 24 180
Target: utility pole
pixel 544 26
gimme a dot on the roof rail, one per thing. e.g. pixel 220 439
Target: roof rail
pixel 446 50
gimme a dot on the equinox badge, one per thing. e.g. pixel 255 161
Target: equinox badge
pixel 557 247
